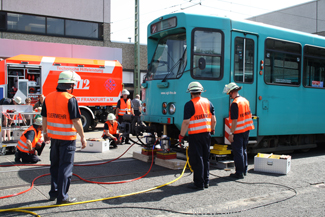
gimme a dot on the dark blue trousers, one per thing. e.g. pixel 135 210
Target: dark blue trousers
pixel 239 150
pixel 199 152
pixel 26 157
pixel 113 143
pixel 61 156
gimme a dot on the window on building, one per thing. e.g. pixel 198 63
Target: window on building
pixel 55 26
pixel 208 44
pixel 25 23
pixel 244 60
pixel 82 29
pixel 3 20
pixel 282 62
pixel 314 67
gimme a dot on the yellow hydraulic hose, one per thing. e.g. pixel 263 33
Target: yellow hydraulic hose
pixel 189 165
pixel 24 209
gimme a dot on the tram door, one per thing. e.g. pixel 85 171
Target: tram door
pixel 243 65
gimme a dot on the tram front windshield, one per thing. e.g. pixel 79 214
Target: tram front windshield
pixel 170 58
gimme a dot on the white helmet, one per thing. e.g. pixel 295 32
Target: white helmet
pixel 17 100
pixel 125 91
pixel 195 87
pixel 38 120
pixel 68 77
pixel 230 87
pixel 111 117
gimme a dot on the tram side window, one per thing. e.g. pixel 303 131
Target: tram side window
pixel 282 62
pixel 314 67
pixel 208 44
pixel 244 60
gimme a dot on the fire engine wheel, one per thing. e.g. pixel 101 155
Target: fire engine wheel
pixel 93 126
pixel 85 120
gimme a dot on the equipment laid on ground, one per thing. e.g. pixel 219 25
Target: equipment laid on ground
pixel 97 145
pixel 97 92
pixel 271 163
pixel 220 156
pixel 19 119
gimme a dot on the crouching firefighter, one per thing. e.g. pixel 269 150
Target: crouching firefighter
pixel 111 130
pixel 28 144
pixel 200 121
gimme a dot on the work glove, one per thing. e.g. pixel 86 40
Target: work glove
pixel 180 138
pixel 212 132
pixel 115 139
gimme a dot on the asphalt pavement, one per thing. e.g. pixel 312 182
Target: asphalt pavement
pixel 299 193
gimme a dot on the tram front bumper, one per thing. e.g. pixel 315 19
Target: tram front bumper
pixel 158 119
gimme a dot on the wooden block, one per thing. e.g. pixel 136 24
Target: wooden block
pixel 142 157
pixel 174 164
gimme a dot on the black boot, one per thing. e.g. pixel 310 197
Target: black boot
pixel 17 158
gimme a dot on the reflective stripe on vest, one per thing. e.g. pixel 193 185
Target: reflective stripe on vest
pixel 21 146
pixel 22 143
pixel 125 108
pixel 61 133
pixel 112 129
pixel 59 124
pixel 244 121
pixel 200 122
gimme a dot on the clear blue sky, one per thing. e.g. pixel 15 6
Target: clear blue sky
pixel 122 13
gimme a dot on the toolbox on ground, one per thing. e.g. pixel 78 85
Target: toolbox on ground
pixel 98 146
pixel 280 164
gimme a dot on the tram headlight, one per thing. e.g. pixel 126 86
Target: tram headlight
pixel 172 109
pixel 144 109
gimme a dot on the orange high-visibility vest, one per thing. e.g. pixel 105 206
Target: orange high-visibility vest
pixel 112 129
pixel 200 122
pixel 22 143
pixel 244 121
pixel 59 124
pixel 125 108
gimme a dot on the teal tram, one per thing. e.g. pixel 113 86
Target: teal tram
pixel 281 71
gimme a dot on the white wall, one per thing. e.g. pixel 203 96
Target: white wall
pixel 91 10
pixel 302 17
pixel 321 16
pixel 128 77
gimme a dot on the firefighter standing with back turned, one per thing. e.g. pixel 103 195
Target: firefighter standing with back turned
pixel 61 123
pixel 124 106
pixel 200 121
pixel 240 120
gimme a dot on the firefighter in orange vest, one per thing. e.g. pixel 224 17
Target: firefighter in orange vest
pixel 28 143
pixel 61 123
pixel 200 121
pixel 111 130
pixel 124 106
pixel 240 120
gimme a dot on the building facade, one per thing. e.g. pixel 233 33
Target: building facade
pixel 308 17
pixel 73 28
